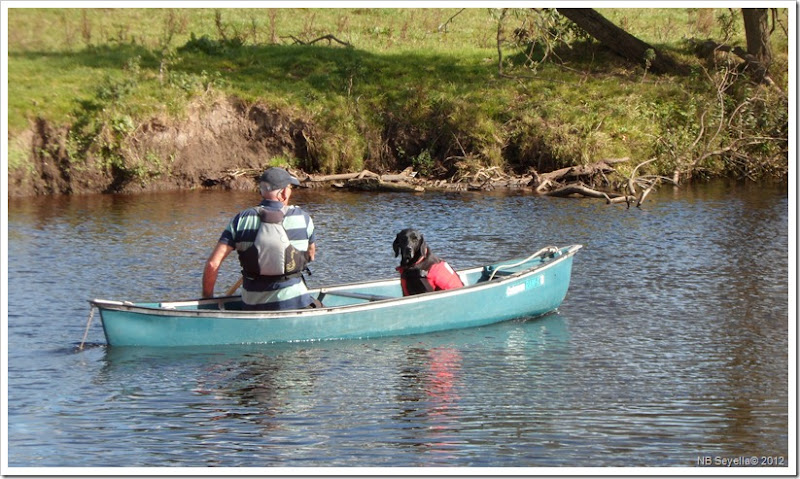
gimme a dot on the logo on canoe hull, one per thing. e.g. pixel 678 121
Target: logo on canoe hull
pixel 522 287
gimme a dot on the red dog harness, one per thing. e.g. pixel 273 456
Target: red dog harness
pixel 439 277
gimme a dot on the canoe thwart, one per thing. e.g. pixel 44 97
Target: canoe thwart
pixel 489 272
pixel 353 294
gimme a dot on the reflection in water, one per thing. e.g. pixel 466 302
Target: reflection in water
pixel 441 391
pixel 672 341
pixel 410 393
pixel 428 396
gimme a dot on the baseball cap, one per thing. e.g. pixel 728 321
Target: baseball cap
pixel 278 178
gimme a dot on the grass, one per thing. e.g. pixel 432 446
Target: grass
pixel 432 82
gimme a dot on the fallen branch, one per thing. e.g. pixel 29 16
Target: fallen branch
pixel 621 199
pixel 644 195
pixel 582 190
pixel 399 178
pixel 631 179
pixel 376 184
pixel 563 182
pixel 342 176
pixel 328 37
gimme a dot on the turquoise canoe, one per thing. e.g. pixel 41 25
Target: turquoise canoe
pixel 527 287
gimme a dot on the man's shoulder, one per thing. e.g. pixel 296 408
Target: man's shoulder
pixel 245 219
pixel 293 210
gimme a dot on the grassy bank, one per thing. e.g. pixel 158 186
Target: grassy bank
pixel 416 87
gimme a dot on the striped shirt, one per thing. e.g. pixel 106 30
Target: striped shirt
pixel 241 234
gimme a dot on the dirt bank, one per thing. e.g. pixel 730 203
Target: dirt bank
pixel 198 151
pixel 227 143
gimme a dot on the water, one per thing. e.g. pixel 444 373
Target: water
pixel 671 346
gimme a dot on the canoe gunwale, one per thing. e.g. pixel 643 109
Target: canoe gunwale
pixel 170 308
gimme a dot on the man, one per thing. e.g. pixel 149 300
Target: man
pixel 274 242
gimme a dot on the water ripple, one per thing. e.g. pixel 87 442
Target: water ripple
pixel 672 342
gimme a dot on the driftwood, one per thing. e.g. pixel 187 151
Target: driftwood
pixel 588 181
pixel 545 182
pixel 377 184
pixel 550 184
pixel 366 180
pixel 582 190
pixel 342 176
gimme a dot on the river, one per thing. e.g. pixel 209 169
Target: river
pixel 671 348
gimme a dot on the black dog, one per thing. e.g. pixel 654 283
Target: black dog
pixel 420 270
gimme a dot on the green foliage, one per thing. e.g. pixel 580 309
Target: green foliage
pixel 100 127
pixel 207 46
pixel 103 125
pixel 18 156
pixel 283 162
pixel 196 83
pixel 423 163
pixel 537 35
pixel 408 93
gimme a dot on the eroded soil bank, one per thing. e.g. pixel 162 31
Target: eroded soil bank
pixel 200 150
pixel 226 143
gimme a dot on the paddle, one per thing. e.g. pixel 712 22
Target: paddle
pixel 233 288
pixel 236 285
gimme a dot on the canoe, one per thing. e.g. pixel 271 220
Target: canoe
pixel 517 288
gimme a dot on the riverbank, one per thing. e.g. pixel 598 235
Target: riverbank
pixel 389 91
pixel 216 148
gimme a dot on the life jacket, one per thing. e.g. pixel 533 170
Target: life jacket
pixel 271 257
pixel 442 276
pixel 439 276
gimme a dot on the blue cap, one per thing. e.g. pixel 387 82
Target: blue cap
pixel 278 178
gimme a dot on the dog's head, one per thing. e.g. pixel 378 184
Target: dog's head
pixel 410 245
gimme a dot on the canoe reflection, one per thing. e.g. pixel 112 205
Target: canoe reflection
pixel 419 394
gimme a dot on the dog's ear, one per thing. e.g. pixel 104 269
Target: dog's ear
pixel 396 246
pixel 423 246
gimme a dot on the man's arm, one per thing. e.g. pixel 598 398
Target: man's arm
pixel 212 268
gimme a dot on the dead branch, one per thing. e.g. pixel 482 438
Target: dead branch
pixel 342 176
pixel 376 184
pixel 328 37
pixel 621 199
pixel 631 188
pixel 404 175
pixel 644 195
pixel 578 189
pixel 443 26
pixel 585 172
pixel 564 182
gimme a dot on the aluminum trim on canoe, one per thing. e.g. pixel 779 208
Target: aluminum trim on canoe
pixel 379 304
